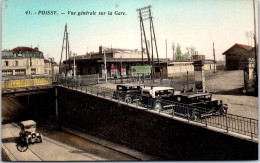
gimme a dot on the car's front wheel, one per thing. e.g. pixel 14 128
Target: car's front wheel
pixel 158 106
pixel 195 116
pixel 21 146
pixel 128 99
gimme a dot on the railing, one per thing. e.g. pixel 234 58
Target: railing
pixel 83 80
pixel 227 122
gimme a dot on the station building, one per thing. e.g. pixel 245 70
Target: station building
pixel 118 62
pixel 236 55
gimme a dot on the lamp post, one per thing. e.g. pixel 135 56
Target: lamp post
pixel 74 66
pixel 51 59
pixel 105 63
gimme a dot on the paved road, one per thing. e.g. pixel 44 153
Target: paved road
pixel 58 146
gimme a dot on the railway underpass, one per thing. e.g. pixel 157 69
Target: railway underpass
pixel 91 111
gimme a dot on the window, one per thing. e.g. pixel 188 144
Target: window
pixel 16 63
pixel 33 71
pixel 6 63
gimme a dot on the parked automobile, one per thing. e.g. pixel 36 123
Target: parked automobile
pixel 153 97
pixel 28 135
pixel 128 92
pixel 202 105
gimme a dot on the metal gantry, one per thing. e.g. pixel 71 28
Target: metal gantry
pixel 146 14
pixel 67 50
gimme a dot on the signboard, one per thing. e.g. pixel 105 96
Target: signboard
pixel 140 69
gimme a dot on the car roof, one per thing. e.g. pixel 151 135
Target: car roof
pixel 28 123
pixel 157 88
pixel 193 94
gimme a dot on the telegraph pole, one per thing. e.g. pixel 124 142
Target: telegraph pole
pixel 145 14
pixel 256 64
pixel 105 63
pixel 173 45
pixel 214 58
pixel 74 65
pixel 66 41
pixel 166 54
pixel 52 72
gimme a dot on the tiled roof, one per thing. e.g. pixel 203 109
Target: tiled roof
pixel 244 46
pixel 23 49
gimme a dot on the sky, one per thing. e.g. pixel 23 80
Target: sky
pixel 196 23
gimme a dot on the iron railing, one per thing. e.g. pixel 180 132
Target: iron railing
pixel 228 122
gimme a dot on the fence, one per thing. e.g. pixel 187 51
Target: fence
pixel 79 80
pixel 84 80
pixel 228 122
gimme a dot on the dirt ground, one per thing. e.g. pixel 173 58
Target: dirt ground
pixel 242 105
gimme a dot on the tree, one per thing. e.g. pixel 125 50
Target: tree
pixel 191 51
pixel 179 55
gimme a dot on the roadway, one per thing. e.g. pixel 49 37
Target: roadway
pixel 64 146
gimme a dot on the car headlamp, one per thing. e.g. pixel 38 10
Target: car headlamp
pixel 37 134
pixel 29 136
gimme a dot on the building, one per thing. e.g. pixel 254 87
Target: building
pixel 50 68
pixel 26 61
pixel 22 61
pixel 119 61
pixel 236 54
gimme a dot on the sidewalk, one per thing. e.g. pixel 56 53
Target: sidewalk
pixel 117 147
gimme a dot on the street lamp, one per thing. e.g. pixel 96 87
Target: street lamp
pixel 105 63
pixel 52 73
pixel 74 66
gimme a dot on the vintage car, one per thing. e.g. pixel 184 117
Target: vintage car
pixel 28 134
pixel 128 92
pixel 153 97
pixel 202 105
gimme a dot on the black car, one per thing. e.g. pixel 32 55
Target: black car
pixel 127 92
pixel 201 105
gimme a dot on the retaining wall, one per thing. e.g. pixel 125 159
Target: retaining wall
pixel 168 138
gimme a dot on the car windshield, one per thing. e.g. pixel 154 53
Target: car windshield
pixel 29 127
pixel 163 92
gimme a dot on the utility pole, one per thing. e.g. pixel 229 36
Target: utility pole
pixel 105 63
pixel 52 72
pixel 74 66
pixel 173 56
pixel 256 64
pixel 66 41
pixel 166 47
pixel 214 58
pixel 145 14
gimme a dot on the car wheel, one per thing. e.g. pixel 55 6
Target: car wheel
pixel 21 146
pixel 115 95
pixel 195 116
pixel 40 139
pixel 158 106
pixel 128 99
pixel 223 112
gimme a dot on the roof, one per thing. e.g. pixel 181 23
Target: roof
pixel 157 88
pixel 47 61
pixel 245 47
pixel 23 49
pixel 28 123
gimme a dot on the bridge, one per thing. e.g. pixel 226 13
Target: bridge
pixel 91 109
pixel 21 85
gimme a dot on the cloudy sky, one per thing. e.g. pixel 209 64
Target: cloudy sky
pixel 196 23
